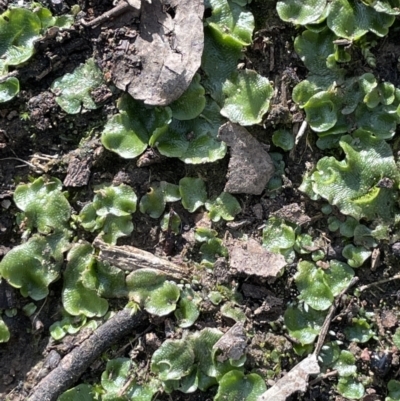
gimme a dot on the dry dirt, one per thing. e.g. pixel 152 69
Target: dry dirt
pixel 54 137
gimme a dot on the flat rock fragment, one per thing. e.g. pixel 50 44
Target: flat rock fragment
pixel 251 258
pixel 250 166
pixel 295 380
pixel 270 309
pixel 167 53
pixel 232 343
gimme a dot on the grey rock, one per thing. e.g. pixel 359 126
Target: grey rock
pixel 250 166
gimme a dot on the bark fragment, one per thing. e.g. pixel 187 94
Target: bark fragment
pixel 73 365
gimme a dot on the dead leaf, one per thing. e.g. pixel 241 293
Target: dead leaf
pixel 250 166
pixel 295 380
pixel 167 53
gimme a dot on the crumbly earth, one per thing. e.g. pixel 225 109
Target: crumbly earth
pixel 34 130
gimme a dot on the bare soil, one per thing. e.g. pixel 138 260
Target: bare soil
pixel 37 137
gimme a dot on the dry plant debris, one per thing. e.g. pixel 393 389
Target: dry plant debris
pixel 169 48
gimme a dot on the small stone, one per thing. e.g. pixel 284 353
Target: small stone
pixel 250 166
pixel 389 319
pixel 232 343
pixel 251 258
pixel 6 203
pixel 258 211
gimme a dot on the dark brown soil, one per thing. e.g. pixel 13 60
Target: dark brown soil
pixel 37 137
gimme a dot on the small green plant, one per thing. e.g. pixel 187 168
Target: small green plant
pixel 137 125
pixel 355 255
pixel 118 372
pixel 227 31
pixel 110 212
pixel 303 323
pixel 171 221
pixel 346 18
pixel 333 358
pixel 73 90
pixel 36 263
pixel 193 193
pixel 229 310
pixel 80 392
pixel 152 291
pixel 87 281
pixel 70 325
pixel 236 386
pixel 191 103
pixel 187 311
pixel 129 132
pixel 4 332
pixel 394 390
pixel 33 265
pixel 284 139
pixel 19 29
pixel 211 248
pixel 279 237
pixel 318 287
pixel 224 206
pixel 44 206
pixel 231 22
pixel 335 103
pixel 192 363
pixel 359 331
pixel 275 183
pixel 353 184
pixel 350 387
pixel 153 203
pixel 247 96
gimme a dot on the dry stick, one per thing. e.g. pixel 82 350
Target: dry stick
pixel 73 365
pixel 130 258
pixel 301 132
pixel 323 377
pixel 117 10
pixel 329 317
pixel 7 76
pixel 20 160
pixel 376 283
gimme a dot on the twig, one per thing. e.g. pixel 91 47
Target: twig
pixel 376 283
pixel 301 132
pixel 121 392
pixel 322 377
pixel 9 75
pixel 37 314
pixel 117 10
pixel 20 160
pixel 73 365
pixel 130 258
pixel 122 350
pixel 329 317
